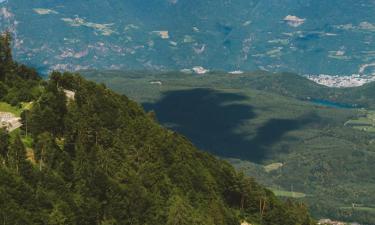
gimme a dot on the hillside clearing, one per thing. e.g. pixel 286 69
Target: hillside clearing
pixel 288 194
pixel 5 107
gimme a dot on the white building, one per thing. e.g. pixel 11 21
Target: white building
pixel 9 121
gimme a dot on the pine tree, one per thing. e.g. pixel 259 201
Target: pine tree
pixel 4 144
pixel 17 155
pixel 45 150
pixel 57 216
pixel 48 113
pixel 180 212
pixel 6 61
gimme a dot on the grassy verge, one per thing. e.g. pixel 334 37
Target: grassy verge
pixel 363 209
pixel 5 107
pixel 288 194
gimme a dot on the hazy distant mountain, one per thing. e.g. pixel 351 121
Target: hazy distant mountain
pixel 303 36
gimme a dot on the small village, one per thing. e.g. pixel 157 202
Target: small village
pixel 340 81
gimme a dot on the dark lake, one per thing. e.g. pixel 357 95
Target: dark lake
pixel 333 104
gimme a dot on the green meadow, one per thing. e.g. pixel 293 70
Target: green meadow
pixel 5 107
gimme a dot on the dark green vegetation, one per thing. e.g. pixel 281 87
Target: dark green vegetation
pixel 264 124
pixel 98 158
pixel 18 83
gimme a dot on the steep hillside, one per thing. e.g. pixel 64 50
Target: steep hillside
pixel 322 151
pixel 306 37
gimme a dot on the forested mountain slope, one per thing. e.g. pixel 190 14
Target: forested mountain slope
pixel 299 138
pixel 98 158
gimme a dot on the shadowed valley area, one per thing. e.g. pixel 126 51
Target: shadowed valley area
pixel 210 119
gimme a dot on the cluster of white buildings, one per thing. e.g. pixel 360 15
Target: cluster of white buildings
pixel 156 82
pixel 9 121
pixel 236 72
pixel 197 70
pixel 332 222
pixel 354 80
pixel 200 70
pixel 294 21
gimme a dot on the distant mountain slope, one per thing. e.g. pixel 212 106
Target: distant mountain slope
pixel 293 85
pixel 306 37
pixel 285 84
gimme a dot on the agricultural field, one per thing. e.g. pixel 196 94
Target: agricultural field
pixel 364 123
pixel 288 194
pixel 272 167
pixel 363 209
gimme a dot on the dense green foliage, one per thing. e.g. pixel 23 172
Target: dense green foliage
pixel 100 159
pixel 258 119
pixel 18 83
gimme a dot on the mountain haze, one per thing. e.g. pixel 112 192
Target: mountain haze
pixel 307 37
